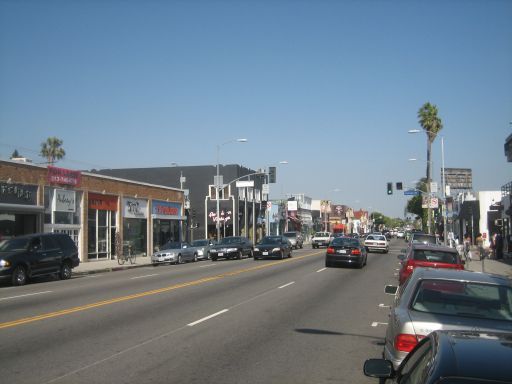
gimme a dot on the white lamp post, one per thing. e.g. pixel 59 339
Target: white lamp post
pixel 218 184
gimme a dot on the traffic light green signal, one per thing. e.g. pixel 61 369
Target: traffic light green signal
pixel 390 188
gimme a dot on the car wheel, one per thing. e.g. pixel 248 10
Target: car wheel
pixel 19 276
pixel 240 255
pixel 214 258
pixel 290 254
pixel 180 260
pixel 367 250
pixel 195 257
pixel 327 264
pixel 65 271
pixel 282 255
pixel 314 247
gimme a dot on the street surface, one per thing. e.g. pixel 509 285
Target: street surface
pixel 234 321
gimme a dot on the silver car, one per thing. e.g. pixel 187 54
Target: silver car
pixel 202 247
pixel 174 252
pixel 445 299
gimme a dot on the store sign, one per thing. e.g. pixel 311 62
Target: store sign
pixel 292 205
pixel 64 201
pixel 102 202
pixel 135 208
pixel 63 176
pixel 165 208
pixel 18 194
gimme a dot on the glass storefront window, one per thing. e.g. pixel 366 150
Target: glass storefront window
pixel 164 231
pixel 101 234
pixel 135 235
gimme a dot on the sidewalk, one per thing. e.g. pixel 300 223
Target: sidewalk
pixel 101 266
pixel 499 267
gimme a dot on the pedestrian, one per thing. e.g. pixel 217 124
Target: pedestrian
pixel 492 246
pixel 480 245
pixel 467 247
pixel 498 246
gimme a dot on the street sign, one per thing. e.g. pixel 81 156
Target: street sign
pixel 269 205
pixel 244 184
pixel 433 187
pixel 411 192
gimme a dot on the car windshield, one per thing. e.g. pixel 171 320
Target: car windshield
pixel 230 240
pixel 376 237
pixel 464 299
pixel 199 243
pixel 171 245
pixel 15 244
pixel 271 240
pixel 344 242
pixel 290 234
pixel 435 256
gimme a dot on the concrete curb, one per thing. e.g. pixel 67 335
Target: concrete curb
pixel 109 269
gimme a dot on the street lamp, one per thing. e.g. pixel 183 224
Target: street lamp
pixel 443 184
pixel 218 184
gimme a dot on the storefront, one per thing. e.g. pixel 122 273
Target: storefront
pixel 102 226
pixel 135 225
pixel 19 212
pixel 167 222
pixel 62 212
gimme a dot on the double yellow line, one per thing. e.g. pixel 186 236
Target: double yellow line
pixel 32 319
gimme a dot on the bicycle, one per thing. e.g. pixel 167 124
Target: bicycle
pixel 121 256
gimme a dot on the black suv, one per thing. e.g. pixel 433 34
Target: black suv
pixel 38 254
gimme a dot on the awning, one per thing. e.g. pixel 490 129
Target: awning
pixel 339 227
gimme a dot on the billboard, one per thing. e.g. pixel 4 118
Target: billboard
pixel 458 178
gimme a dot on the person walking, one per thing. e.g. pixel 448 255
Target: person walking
pixel 467 247
pixel 480 245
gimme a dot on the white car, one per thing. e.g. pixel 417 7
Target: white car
pixel 375 242
pixel 321 239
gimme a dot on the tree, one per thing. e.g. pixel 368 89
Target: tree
pixel 414 203
pixel 51 150
pixel 431 124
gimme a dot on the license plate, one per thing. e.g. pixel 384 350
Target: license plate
pixel 221 254
pixel 342 251
pixel 265 253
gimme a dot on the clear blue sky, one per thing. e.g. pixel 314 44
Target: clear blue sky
pixel 330 86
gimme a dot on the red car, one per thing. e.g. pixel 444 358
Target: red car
pixel 428 256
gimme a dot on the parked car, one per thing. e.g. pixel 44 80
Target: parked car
pixel 174 252
pixel 25 257
pixel 451 357
pixel 295 238
pixel 273 246
pixel 423 238
pixel 427 255
pixel 321 239
pixel 447 299
pixel 375 242
pixel 232 247
pixel 202 247
pixel 400 234
pixel 345 251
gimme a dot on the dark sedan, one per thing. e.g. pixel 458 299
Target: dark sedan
pixel 273 246
pixel 451 357
pixel 345 251
pixel 232 247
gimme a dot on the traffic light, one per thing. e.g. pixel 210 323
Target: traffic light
pixel 399 186
pixel 390 188
pixel 271 174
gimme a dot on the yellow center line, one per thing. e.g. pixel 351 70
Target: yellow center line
pixel 32 319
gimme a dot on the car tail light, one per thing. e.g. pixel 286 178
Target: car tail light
pixel 356 252
pixel 405 342
pixel 330 250
pixel 459 266
pixel 410 265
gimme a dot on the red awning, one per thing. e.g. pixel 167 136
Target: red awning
pixel 339 227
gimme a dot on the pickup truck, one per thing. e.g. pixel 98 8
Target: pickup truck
pixel 321 239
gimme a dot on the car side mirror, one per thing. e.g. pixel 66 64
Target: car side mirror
pixel 379 368
pixel 390 289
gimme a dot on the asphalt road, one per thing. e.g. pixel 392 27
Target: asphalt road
pixel 237 321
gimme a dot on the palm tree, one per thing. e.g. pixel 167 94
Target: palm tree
pixel 51 150
pixel 431 124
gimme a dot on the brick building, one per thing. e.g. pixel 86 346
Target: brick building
pixel 91 208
